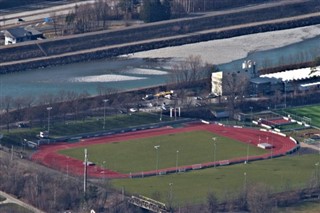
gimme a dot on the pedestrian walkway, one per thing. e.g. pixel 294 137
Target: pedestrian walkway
pixel 11 199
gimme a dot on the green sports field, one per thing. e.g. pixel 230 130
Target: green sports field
pixel 180 149
pixel 312 112
pixel 280 174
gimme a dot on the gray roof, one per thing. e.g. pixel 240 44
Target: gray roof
pixel 21 32
pixel 264 80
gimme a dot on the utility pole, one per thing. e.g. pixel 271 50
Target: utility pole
pixel 157 157
pixel 85 173
pixel 104 112
pixel 49 109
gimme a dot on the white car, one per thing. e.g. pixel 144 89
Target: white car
pixel 133 110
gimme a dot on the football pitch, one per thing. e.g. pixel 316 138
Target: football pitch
pixel 164 151
pixel 312 112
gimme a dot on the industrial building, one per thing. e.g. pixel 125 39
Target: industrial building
pixel 298 80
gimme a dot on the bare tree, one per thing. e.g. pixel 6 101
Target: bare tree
pixel 258 198
pixel 212 202
pixel 8 100
pixel 101 9
pixel 235 86
pixel 189 71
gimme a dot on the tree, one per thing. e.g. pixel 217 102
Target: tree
pixel 258 198
pixel 234 86
pixel 155 10
pixel 7 116
pixel 212 202
pixel 177 10
pixel 101 9
pixel 189 71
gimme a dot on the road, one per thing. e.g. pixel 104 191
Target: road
pixel 110 47
pixel 34 15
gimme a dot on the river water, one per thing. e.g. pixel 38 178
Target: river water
pixel 134 71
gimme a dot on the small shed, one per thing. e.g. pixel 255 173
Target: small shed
pixel 21 34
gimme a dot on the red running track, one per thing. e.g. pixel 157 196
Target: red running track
pixel 48 154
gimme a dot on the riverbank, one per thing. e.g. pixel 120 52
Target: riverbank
pixel 230 49
pixel 204 27
pixel 115 50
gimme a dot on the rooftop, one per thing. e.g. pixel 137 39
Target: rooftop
pixel 292 75
pixel 20 32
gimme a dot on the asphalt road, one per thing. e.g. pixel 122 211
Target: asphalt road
pixel 31 16
pixel 40 14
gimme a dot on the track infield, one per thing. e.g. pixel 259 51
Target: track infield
pixel 50 155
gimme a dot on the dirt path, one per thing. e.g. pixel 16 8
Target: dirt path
pixel 311 146
pixel 11 199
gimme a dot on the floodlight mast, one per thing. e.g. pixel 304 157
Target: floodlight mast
pixel 157 157
pixel 104 112
pixel 214 151
pixel 85 172
pixel 49 109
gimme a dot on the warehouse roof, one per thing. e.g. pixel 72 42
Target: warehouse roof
pixel 297 74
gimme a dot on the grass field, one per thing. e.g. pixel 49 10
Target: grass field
pixel 140 155
pixel 289 126
pixel 306 207
pixel 96 123
pixel 12 207
pixel 279 174
pixel 93 124
pixel 312 112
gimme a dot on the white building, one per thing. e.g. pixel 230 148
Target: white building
pixel 21 34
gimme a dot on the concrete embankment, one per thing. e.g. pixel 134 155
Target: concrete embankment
pixel 119 49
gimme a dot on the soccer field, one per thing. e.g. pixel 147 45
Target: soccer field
pixel 312 112
pixel 178 149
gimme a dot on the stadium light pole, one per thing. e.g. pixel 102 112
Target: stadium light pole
pixel 245 182
pixel 249 142
pixel 285 94
pixel 49 109
pixel 214 150
pixel 177 161
pixel 271 148
pixel 251 108
pixel 170 198
pixel 103 171
pixel 104 112
pixel 157 157
pixel 317 172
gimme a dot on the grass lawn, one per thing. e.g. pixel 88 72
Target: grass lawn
pixel 309 207
pixel 140 155
pixel 12 207
pixel 289 126
pixel 312 112
pixel 279 174
pixel 96 124
pixel 58 129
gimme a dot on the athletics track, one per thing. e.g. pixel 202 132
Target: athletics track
pixel 48 154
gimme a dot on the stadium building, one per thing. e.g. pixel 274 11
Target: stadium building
pixel 298 80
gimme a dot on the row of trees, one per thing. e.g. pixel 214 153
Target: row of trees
pixel 72 105
pixel 45 189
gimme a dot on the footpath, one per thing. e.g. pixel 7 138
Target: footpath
pixel 11 199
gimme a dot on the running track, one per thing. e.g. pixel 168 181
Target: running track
pixel 48 154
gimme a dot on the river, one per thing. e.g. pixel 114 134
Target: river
pixel 143 70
